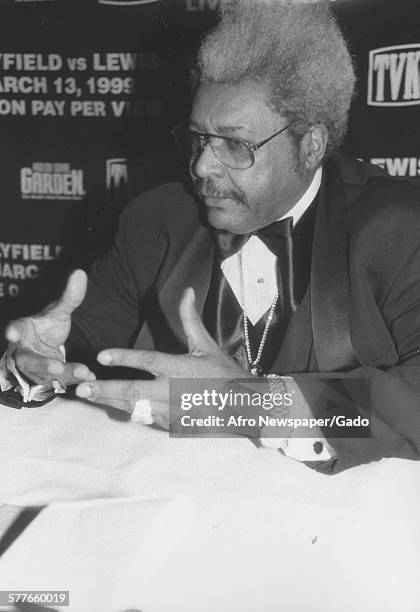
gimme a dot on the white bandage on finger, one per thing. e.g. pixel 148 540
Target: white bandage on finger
pixel 142 412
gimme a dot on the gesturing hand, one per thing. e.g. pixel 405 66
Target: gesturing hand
pixel 204 360
pixel 35 341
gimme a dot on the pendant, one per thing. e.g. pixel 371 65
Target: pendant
pixel 256 370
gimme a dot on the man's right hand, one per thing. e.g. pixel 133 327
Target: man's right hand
pixel 35 341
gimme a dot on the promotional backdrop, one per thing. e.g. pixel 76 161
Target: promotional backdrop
pixel 90 90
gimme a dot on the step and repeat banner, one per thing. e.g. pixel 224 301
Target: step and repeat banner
pixel 89 91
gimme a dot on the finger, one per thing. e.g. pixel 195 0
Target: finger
pixel 16 330
pixel 74 293
pixel 36 367
pixel 43 370
pixel 198 339
pixel 122 405
pixel 151 361
pixel 70 373
pixel 124 390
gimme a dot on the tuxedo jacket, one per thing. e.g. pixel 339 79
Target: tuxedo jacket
pixel 353 345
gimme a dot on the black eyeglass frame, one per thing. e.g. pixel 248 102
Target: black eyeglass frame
pixel 204 138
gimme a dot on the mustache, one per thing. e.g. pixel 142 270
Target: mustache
pixel 207 188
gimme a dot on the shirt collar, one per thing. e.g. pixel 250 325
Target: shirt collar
pixel 306 200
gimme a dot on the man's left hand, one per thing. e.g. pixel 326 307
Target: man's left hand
pixel 204 359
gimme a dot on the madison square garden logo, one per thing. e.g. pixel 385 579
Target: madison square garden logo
pixel 51 181
pixel 126 178
pixel 394 78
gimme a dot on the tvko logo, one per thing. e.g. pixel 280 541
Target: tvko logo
pixel 127 2
pixel 126 178
pixel 399 166
pixel 51 181
pixel 394 78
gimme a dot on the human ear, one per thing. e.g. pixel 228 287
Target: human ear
pixel 313 146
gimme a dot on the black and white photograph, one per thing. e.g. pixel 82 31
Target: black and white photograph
pixel 209 305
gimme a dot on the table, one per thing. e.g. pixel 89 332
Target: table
pixel 269 534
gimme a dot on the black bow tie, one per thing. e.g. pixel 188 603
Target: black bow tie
pixel 277 236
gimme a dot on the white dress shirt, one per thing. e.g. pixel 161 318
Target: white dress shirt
pixel 251 272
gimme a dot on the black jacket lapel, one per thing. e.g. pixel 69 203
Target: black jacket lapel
pixel 330 293
pixel 192 269
pixel 295 351
pixel 321 323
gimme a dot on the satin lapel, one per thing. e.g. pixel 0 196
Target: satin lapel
pixel 294 353
pixel 163 329
pixel 193 269
pixel 330 293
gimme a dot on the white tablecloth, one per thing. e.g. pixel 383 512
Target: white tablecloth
pixel 269 534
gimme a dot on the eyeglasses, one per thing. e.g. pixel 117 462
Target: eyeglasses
pixel 232 152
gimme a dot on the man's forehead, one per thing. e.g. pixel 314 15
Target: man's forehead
pixel 230 108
